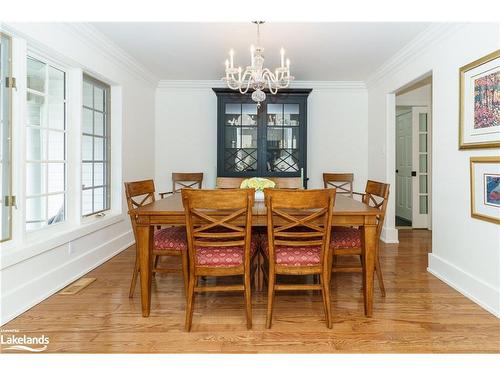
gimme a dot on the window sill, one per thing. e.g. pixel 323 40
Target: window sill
pixel 12 253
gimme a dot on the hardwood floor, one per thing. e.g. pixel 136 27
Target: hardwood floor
pixel 419 314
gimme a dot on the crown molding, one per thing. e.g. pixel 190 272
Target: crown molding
pixel 96 39
pixel 208 84
pixel 423 41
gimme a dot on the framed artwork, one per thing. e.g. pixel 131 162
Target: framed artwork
pixel 485 188
pixel 480 103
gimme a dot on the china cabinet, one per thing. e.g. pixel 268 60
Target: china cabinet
pixel 265 141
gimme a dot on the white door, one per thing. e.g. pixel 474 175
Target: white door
pixel 404 160
pixel 421 171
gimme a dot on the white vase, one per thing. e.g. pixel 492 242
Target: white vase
pixel 259 195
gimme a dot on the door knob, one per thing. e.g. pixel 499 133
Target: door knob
pixel 397 170
pixel 413 173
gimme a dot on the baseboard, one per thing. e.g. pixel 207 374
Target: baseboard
pixel 485 295
pixel 389 235
pixel 50 282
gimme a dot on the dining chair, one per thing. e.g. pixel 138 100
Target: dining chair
pixel 340 181
pixel 169 241
pixel 348 240
pixel 220 242
pixel 184 180
pixel 287 182
pixel 298 234
pixel 228 182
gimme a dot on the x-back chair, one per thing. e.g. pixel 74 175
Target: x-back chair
pixel 219 234
pixel 298 237
pixel 348 240
pixel 167 242
pixel 184 180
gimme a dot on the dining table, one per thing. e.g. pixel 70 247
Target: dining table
pixel 170 211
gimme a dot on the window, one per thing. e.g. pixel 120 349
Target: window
pixel 95 147
pixel 45 145
pixel 5 138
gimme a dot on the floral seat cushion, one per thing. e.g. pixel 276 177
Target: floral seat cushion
pixel 173 238
pixel 295 256
pixel 345 238
pixel 230 256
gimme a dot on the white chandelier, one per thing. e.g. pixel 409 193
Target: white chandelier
pixel 255 76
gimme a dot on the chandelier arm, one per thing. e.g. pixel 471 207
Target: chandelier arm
pixel 269 76
pixel 242 82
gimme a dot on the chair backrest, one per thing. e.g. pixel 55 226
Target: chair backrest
pixel 138 194
pixel 377 195
pixel 287 182
pixel 281 182
pixel 340 181
pixel 228 182
pixel 299 218
pixel 186 180
pixel 218 218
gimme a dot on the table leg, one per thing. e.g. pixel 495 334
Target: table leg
pixel 144 244
pixel 370 242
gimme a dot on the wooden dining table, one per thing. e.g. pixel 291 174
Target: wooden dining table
pixel 170 211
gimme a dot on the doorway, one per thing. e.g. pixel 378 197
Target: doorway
pixel 413 155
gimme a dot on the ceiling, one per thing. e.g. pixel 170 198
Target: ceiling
pixel 318 51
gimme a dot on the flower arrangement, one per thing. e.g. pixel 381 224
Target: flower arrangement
pixel 257 183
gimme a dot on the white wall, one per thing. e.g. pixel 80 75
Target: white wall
pixel 186 131
pixel 465 251
pixel 421 96
pixel 32 271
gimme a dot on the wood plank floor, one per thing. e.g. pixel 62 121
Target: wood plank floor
pixel 420 314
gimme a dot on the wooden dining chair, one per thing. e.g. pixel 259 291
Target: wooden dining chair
pixel 228 182
pixel 287 182
pixel 220 243
pixel 348 240
pixel 340 181
pixel 298 234
pixel 184 180
pixel 169 241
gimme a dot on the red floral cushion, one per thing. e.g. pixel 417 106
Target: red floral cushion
pixel 295 256
pixel 230 256
pixel 173 238
pixel 345 238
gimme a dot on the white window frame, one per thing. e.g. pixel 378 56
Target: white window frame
pixel 46 127
pixel 106 160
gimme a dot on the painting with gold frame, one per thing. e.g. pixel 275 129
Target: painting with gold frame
pixel 480 103
pixel 485 188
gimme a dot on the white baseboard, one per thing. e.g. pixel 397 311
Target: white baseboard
pixel 389 235
pixel 485 295
pixel 29 294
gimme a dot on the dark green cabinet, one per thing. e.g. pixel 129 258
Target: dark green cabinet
pixel 270 141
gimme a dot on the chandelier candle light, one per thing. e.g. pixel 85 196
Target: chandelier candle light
pixel 255 76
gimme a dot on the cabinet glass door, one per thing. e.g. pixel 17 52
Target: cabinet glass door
pixel 240 132
pixel 283 135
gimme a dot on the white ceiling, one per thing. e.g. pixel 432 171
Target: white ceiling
pixel 318 51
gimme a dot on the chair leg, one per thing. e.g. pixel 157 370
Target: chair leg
pixel 156 258
pixel 378 270
pixel 326 295
pixel 190 304
pixel 270 298
pixel 323 298
pixel 134 277
pixel 248 299
pixel 185 271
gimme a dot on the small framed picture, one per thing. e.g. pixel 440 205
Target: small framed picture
pixel 480 103
pixel 485 188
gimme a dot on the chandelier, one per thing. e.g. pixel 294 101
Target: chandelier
pixel 255 76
